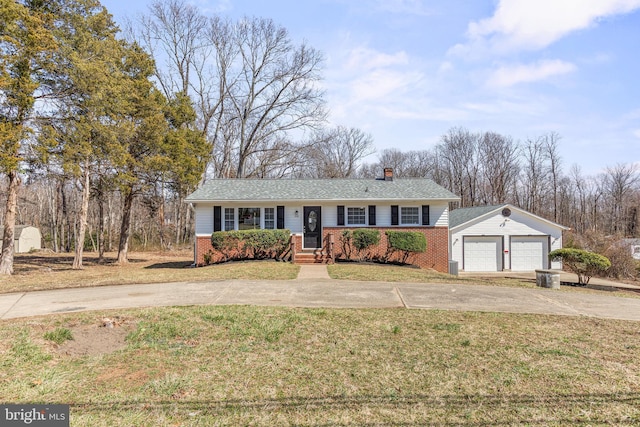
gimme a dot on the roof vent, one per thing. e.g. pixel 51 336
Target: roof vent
pixel 388 174
pixel 506 212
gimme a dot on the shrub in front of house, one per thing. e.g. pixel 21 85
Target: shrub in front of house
pixel 227 243
pixel 265 244
pixel 583 263
pixel 406 243
pixel 250 244
pixel 363 239
pixel 346 238
pixel 360 240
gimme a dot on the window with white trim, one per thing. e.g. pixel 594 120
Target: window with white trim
pixel 269 218
pixel 248 218
pixel 409 215
pixel 229 219
pixel 356 216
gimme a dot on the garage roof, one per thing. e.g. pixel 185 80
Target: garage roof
pixel 460 216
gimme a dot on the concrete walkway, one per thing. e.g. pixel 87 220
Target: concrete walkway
pixel 313 289
pixel 313 272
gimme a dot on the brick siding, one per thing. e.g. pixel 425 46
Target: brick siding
pixel 436 257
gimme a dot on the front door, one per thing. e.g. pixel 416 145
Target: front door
pixel 312 227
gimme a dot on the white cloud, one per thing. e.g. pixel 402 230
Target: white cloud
pixel 382 83
pixel 367 75
pixel 218 6
pixel 521 73
pixel 632 115
pixel 445 67
pixel 423 111
pixel 533 25
pixel 362 79
pixel 413 7
pixel 636 133
pixel 363 59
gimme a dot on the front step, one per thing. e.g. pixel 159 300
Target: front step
pixel 311 257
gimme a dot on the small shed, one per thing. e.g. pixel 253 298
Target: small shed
pixel 502 238
pixel 26 238
pixel 634 247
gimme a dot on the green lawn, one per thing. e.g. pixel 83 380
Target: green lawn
pixel 237 365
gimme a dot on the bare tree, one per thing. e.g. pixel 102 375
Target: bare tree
pixel 336 153
pixel 550 146
pixel 458 154
pixel 532 188
pixel 619 183
pixel 407 164
pixel 579 206
pixel 251 85
pixel 270 89
pixel 391 158
pixel 174 30
pixel 498 156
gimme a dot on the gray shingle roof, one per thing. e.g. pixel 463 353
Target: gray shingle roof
pixel 18 229
pixel 462 215
pixel 319 190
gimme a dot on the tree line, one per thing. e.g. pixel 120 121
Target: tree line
pixel 487 168
pixel 104 132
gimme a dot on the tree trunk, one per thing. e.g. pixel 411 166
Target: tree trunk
pixel 100 226
pixel 110 225
pixel 66 224
pixel 53 216
pixel 161 221
pixel 125 228
pixel 179 220
pixel 187 222
pixel 6 261
pixel 82 221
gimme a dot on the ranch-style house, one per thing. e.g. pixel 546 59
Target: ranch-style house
pixel 317 211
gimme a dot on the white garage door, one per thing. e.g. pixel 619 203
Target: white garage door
pixel 482 253
pixel 529 253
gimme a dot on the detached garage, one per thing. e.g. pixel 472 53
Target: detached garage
pixel 503 237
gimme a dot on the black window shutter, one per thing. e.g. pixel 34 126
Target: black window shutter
pixel 425 214
pixel 340 215
pixel 394 215
pixel 372 215
pixel 217 218
pixel 280 216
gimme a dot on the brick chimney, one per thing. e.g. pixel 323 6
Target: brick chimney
pixel 388 174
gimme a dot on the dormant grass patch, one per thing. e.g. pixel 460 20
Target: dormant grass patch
pixel 407 274
pixel 239 365
pixel 45 270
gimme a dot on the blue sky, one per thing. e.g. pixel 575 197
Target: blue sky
pixel 406 71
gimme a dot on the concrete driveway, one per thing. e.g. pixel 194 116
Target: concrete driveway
pixel 314 289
